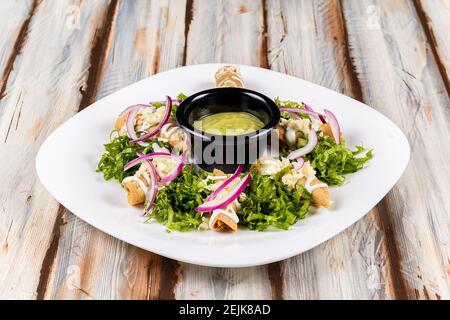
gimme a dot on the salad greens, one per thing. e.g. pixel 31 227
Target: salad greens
pixel 268 202
pixel 119 151
pixel 175 203
pixel 332 161
pixel 290 104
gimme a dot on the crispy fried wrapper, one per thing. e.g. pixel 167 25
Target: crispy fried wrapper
pixel 326 129
pixel 320 197
pixel 135 193
pixel 223 223
pixel 229 76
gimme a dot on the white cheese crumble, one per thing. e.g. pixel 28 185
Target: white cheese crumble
pixel 271 166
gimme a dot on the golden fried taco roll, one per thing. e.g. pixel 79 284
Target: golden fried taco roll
pixel 120 122
pixel 136 186
pixel 224 220
pixel 229 76
pixel 223 223
pixel 326 129
pixel 320 195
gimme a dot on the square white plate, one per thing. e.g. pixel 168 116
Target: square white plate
pixel 67 161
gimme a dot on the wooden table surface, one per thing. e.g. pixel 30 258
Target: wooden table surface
pixel 57 57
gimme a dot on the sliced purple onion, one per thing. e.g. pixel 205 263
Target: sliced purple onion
pixel 322 118
pixel 236 174
pixel 312 142
pixel 153 187
pixel 334 125
pixel 134 107
pixel 292 113
pixel 129 124
pixel 176 101
pixel 159 126
pixel 214 204
pixel 309 108
pixel 131 113
pixel 173 173
pixel 303 111
pixel 150 156
pixel 300 162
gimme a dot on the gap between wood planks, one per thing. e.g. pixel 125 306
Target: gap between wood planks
pixel 428 29
pixel 387 226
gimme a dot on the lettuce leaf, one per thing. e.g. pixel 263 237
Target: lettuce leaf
pixel 175 203
pixel 119 151
pixel 290 104
pixel 332 161
pixel 269 202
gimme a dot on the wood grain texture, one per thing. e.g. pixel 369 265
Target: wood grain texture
pixel 89 263
pixel 400 78
pixel 434 16
pixel 36 102
pixel 391 54
pixel 235 33
pixel 15 28
pixel 308 40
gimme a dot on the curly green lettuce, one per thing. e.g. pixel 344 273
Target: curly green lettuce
pixel 175 203
pixel 333 161
pixel 290 104
pixel 119 151
pixel 269 202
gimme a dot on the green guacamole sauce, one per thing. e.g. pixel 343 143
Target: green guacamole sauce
pixel 229 123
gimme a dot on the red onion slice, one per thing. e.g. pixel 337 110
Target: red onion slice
pixel 153 187
pixel 312 142
pixel 307 107
pixel 176 101
pixel 321 117
pixel 334 125
pixel 159 126
pixel 129 124
pixel 303 111
pixel 236 174
pixel 300 162
pixel 173 173
pixel 292 113
pixel 214 204
pixel 134 107
pixel 150 156
pixel 131 113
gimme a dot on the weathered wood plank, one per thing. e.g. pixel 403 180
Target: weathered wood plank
pixel 147 37
pixel 15 29
pixel 235 34
pixel 307 39
pixel 400 78
pixel 29 221
pixel 435 15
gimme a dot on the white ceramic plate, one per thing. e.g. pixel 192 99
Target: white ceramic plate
pixel 67 161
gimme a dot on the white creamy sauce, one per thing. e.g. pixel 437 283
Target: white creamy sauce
pixel 311 188
pixel 168 129
pixel 157 148
pixel 136 179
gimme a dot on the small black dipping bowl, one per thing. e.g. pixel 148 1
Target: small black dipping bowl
pixel 211 151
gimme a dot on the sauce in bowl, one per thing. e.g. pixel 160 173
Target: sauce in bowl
pixel 228 123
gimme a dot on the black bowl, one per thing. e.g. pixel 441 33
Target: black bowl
pixel 211 151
